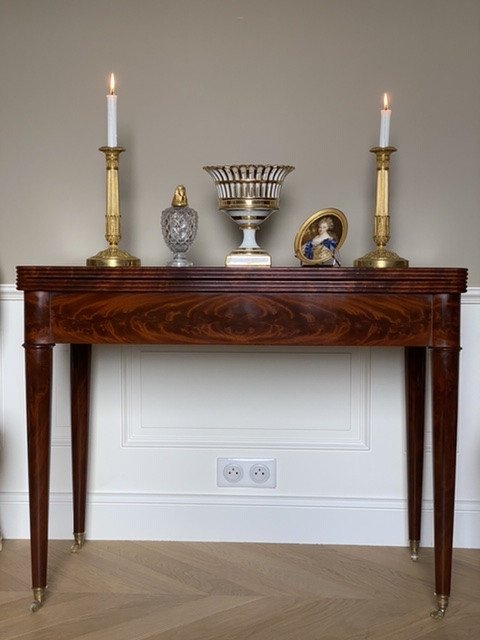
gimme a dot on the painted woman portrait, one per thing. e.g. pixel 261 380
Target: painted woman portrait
pixel 321 247
pixel 319 238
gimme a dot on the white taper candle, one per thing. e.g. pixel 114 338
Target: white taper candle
pixel 385 115
pixel 112 115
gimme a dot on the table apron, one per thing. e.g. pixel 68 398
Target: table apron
pixel 355 319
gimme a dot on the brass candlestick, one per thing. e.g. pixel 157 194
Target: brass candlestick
pixel 381 257
pixel 113 256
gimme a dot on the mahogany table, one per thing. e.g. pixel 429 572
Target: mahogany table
pixel 416 308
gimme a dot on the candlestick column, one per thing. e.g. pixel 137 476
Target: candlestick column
pixel 381 234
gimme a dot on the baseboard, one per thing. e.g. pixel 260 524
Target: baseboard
pixel 306 520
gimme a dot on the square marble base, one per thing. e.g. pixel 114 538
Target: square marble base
pixel 244 259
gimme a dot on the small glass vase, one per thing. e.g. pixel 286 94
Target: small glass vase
pixel 179 228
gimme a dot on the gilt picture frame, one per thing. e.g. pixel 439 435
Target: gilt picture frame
pixel 320 237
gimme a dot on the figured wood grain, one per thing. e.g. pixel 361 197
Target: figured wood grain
pixel 241 318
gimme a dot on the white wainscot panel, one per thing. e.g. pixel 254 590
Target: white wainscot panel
pixel 246 398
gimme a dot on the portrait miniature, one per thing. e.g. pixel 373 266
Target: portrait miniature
pixel 319 238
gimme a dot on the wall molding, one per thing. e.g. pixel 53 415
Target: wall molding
pixel 9 292
pixel 239 499
pixel 354 434
pixel 472 296
pixel 206 517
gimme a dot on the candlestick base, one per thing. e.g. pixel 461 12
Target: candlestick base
pixel 113 257
pixel 381 258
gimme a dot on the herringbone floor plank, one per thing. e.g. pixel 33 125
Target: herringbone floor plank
pixel 219 591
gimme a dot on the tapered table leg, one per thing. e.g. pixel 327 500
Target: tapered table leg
pixel 415 371
pixel 80 360
pixel 445 367
pixel 38 368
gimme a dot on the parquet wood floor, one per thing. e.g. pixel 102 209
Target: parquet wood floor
pixel 220 591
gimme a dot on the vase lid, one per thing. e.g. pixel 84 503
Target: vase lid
pixel 180 197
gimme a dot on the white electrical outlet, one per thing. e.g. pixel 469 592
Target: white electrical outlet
pixel 247 472
pixel 259 473
pixel 232 473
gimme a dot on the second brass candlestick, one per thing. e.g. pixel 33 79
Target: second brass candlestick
pixel 113 256
pixel 381 257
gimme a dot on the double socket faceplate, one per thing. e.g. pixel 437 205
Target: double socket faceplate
pixel 247 472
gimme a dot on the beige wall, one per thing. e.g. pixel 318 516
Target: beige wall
pixel 222 81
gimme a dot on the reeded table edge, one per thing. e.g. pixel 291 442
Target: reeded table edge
pixel 244 279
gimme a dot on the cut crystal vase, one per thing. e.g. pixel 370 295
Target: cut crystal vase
pixel 179 228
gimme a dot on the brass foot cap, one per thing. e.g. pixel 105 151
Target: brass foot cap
pixel 414 547
pixel 38 598
pixel 79 542
pixel 442 604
